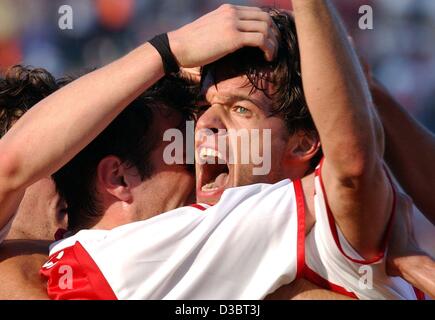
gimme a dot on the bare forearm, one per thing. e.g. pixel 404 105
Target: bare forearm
pixel 335 88
pixel 409 151
pixel 52 132
pixel 418 271
pixel 58 127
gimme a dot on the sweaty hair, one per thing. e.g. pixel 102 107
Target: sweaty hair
pixel 284 73
pixel 20 89
pixel 129 138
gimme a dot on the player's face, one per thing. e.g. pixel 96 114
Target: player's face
pixel 232 106
pixel 172 185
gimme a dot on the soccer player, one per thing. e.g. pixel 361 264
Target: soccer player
pixel 245 92
pixel 213 179
pixel 190 264
pixel 21 260
pixel 82 122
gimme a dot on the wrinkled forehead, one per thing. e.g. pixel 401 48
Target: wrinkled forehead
pixel 225 87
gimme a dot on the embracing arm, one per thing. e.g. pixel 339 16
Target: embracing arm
pixel 57 128
pixel 405 259
pixel 351 135
pixel 409 150
pixel 418 270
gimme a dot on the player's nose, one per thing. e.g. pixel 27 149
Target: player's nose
pixel 211 120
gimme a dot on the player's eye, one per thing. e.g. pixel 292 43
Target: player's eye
pixel 242 111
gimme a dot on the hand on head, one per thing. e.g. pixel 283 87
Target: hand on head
pixel 221 32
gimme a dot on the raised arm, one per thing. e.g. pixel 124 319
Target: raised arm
pixel 58 127
pixel 409 149
pixel 339 100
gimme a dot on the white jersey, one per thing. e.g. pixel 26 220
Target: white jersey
pixel 331 262
pixel 244 247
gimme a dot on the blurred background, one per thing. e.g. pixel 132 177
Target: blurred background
pixel 400 48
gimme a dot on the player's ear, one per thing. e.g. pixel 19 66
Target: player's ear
pixel 303 146
pixel 112 176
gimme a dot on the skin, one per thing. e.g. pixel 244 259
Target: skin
pixel 232 106
pixel 355 181
pixel 304 290
pixel 127 198
pixel 40 214
pixel 20 261
pixel 103 99
pixel 356 184
pixel 346 178
pixel 405 137
pixel 405 259
pixel 104 94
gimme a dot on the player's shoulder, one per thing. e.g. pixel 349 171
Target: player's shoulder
pixel 255 190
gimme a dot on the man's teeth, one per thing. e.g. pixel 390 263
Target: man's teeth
pixel 205 153
pixel 209 187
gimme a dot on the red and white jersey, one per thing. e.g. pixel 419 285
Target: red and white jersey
pixel 332 263
pixel 244 247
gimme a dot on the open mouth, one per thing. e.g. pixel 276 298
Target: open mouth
pixel 214 172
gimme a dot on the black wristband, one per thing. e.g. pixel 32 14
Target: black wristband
pixel 161 43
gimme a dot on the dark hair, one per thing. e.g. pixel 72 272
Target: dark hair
pixel 20 89
pixel 284 73
pixel 127 137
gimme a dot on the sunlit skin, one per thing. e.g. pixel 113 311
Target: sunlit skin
pixel 234 105
pixel 40 214
pixel 170 185
pixel 20 260
pixel 173 185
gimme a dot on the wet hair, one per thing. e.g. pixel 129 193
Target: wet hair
pixel 20 89
pixel 284 73
pixel 129 138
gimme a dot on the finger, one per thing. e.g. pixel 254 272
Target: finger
pixel 247 8
pixel 253 26
pixel 261 27
pixel 254 15
pixel 257 39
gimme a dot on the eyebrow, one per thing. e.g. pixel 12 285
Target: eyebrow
pixel 236 97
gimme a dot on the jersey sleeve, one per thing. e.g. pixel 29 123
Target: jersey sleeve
pixel 73 275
